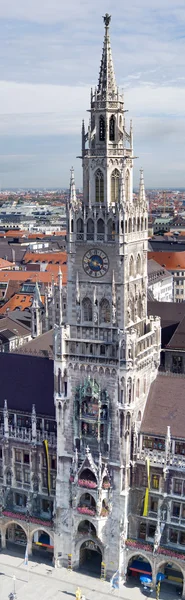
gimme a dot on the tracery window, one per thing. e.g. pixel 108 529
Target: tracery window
pixel 112 129
pixel 87 309
pixel 115 177
pixel 99 186
pixel 104 311
pixel 102 129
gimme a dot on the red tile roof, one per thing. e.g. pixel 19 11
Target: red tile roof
pixel 46 257
pixel 40 276
pixel 172 261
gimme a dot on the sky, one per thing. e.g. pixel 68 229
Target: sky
pixel 50 53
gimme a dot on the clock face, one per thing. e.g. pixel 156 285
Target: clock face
pixel 95 263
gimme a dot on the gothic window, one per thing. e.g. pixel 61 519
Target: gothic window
pixel 102 129
pixel 139 416
pixel 90 229
pixel 130 226
pixel 104 311
pixel 138 224
pixel 131 267
pixel 141 223
pixel 122 227
pixel 80 226
pixel 100 226
pixel 121 424
pixel 139 309
pixel 87 309
pixel 125 226
pixel 145 223
pixel 102 350
pixel 127 185
pixel 99 186
pixel 138 264
pixel 129 388
pixel 128 421
pixel 112 129
pixel 115 186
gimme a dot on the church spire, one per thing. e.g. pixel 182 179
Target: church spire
pixel 107 84
pixel 72 192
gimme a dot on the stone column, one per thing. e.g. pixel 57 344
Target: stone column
pixel 3 539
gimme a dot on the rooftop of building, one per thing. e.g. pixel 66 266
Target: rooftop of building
pixel 27 380
pixel 156 272
pixel 165 406
pixel 41 346
pixel 172 261
pixel 55 257
pixel 16 328
pixel 45 277
pixel 21 301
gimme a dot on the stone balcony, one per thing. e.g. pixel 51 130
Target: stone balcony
pixel 23 434
pixel 157 458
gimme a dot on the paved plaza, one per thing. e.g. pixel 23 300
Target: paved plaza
pixel 39 581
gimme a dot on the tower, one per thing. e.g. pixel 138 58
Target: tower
pixel 107 349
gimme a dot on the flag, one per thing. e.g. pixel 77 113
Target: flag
pixel 26 556
pixel 115 581
pixel 46 452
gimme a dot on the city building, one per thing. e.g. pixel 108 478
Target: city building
pixel 106 349
pixel 156 537
pixel 174 262
pixel 160 282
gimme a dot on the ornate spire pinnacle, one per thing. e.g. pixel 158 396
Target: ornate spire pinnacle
pixel 72 192
pixel 142 197
pixel 37 302
pixel 122 188
pixel 60 295
pixel 107 84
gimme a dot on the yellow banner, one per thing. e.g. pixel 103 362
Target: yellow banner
pixel 46 451
pixel 146 500
pixel 148 471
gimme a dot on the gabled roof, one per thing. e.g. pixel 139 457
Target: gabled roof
pixel 22 301
pixel 40 276
pixel 177 341
pixel 41 346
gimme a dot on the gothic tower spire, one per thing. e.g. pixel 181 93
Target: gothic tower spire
pixel 107 82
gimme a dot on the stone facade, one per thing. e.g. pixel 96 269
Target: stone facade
pixel 106 348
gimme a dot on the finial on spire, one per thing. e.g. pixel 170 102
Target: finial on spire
pixel 107 19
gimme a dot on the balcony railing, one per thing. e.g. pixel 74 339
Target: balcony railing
pixel 25 435
pixel 158 457
pixel 148 547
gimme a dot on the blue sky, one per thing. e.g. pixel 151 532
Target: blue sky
pixel 50 56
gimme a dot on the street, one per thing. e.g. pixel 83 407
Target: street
pixel 40 581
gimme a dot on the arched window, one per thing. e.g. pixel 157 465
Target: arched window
pixel 128 421
pixel 145 224
pixel 100 226
pixel 59 382
pixel 142 223
pixel 99 186
pixel 112 129
pixel 131 267
pixel 104 311
pixel 102 129
pixel 127 185
pixel 80 226
pixel 72 226
pixel 138 264
pixel 139 416
pixel 115 186
pixel 129 390
pixel 87 309
pixel 130 226
pixel 138 224
pixel 90 229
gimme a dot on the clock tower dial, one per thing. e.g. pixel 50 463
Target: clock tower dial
pixel 95 263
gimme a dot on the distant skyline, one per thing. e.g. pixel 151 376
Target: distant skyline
pixel 50 57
